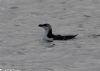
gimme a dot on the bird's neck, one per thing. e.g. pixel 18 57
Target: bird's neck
pixel 49 34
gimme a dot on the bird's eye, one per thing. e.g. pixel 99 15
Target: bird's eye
pixel 43 25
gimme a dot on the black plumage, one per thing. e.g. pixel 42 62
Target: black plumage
pixel 49 33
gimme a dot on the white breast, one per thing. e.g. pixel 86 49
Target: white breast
pixel 45 36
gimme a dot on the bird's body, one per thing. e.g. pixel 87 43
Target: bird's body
pixel 49 36
pixel 60 37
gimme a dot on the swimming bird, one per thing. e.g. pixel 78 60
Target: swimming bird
pixel 49 36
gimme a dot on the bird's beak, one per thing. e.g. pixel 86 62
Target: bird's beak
pixel 40 25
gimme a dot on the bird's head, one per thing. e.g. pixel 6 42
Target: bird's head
pixel 45 26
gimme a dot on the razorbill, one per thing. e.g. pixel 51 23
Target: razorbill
pixel 49 36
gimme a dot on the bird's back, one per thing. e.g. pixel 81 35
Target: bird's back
pixel 60 37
